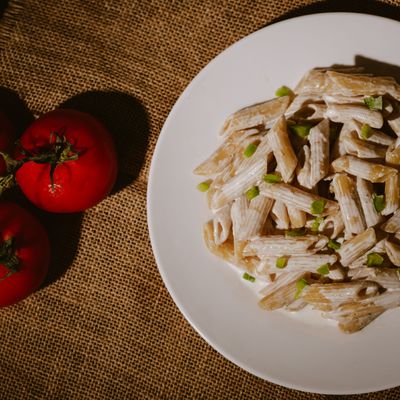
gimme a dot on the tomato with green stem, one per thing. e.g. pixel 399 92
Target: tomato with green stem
pixel 24 253
pixel 66 161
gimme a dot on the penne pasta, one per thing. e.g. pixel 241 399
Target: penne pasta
pixel 357 246
pixel 262 114
pixel 346 195
pixel 313 164
pixel 365 194
pixel 280 245
pixel 297 198
pixel 363 169
pixel 319 146
pixel 282 149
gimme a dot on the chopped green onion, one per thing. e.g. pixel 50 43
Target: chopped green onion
pixel 296 232
pixel 300 285
pixel 301 131
pixel 317 206
pixel 252 192
pixel 379 202
pixel 324 269
pixel 374 103
pixel 281 262
pixel 366 131
pixel 333 244
pixel 204 186
pixel 272 178
pixel 248 277
pixel 374 259
pixel 250 150
pixel 283 91
pixel 316 223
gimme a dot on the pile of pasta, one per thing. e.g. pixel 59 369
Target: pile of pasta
pixel 304 192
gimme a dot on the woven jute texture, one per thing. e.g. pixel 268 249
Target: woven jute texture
pixel 103 326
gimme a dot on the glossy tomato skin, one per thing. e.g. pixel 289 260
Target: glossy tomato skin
pixel 7 139
pixel 78 184
pixel 32 248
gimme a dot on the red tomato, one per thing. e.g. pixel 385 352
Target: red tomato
pixel 81 164
pixel 7 138
pixel 24 249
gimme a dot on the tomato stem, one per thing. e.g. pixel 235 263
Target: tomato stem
pixel 60 151
pixel 8 257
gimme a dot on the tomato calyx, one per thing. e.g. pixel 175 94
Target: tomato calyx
pixel 8 257
pixel 59 151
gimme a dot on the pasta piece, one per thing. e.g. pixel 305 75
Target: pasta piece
pixel 393 252
pixel 361 261
pixel 362 148
pixel 304 173
pixel 391 194
pixel 226 250
pixel 222 225
pixel 255 217
pixel 237 185
pixel 282 149
pixel 374 136
pixel 363 169
pixel 328 296
pixel 279 245
pixel 358 85
pixel 297 217
pixel 344 189
pixel 309 263
pixel 281 292
pixel 280 215
pixel 238 215
pixel 357 246
pixel 297 198
pixel 313 82
pixel 319 111
pixel 392 225
pixel 262 114
pixel 319 145
pixel 336 222
pixel 339 148
pixel 223 155
pixel 365 192
pixel 346 113
pixel 300 102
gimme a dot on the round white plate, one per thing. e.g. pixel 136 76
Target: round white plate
pixel 303 351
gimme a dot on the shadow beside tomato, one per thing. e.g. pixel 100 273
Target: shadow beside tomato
pixel 127 121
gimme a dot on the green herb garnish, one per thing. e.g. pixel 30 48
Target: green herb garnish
pixel 366 131
pixel 204 186
pixel 316 223
pixel 374 259
pixel 250 150
pixel 374 103
pixel 333 244
pixel 317 206
pixel 379 202
pixel 272 178
pixel 300 285
pixel 281 262
pixel 301 131
pixel 248 277
pixel 296 232
pixel 283 91
pixel 252 192
pixel 324 269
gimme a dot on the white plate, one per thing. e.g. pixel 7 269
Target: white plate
pixel 302 352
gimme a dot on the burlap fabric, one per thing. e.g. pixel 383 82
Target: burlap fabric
pixel 104 326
